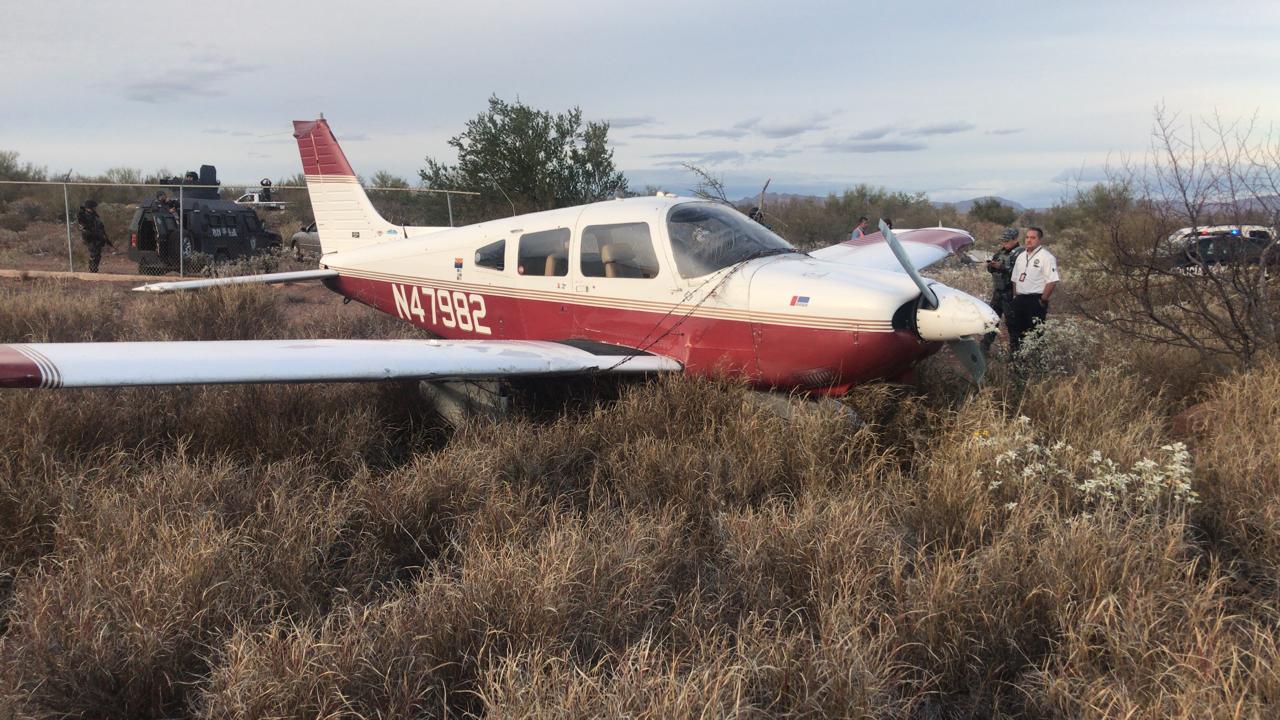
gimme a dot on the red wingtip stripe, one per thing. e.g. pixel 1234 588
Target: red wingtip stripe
pixel 320 152
pixel 17 370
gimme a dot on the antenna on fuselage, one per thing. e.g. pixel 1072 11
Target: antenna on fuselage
pixel 504 193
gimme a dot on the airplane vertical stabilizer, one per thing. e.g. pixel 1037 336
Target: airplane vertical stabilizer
pixel 345 219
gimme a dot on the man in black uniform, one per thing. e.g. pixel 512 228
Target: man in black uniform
pixel 93 232
pixel 1001 268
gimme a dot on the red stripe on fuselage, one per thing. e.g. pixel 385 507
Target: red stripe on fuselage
pixel 767 355
pixel 17 370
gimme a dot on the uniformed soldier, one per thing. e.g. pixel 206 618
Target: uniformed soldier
pixel 93 232
pixel 1035 276
pixel 1001 268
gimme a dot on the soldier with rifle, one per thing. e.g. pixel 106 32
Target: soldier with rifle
pixel 93 232
pixel 1001 268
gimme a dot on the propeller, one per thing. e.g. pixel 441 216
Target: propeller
pixel 967 349
pixel 926 292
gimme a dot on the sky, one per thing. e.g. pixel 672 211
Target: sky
pixel 958 100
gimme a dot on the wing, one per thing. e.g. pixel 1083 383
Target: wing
pixel 78 365
pixel 266 279
pixel 925 247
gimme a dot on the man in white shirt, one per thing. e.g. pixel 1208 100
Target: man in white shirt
pixel 1035 276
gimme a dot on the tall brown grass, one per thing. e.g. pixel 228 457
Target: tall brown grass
pixel 677 551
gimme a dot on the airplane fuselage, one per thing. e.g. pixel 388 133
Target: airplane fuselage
pixel 785 321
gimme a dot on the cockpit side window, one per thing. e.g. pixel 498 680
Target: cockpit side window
pixel 624 250
pixel 706 237
pixel 493 255
pixel 544 253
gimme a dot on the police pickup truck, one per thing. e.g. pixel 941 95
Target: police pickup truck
pixel 260 201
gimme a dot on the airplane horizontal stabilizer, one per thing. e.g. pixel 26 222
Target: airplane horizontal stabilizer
pixel 116 364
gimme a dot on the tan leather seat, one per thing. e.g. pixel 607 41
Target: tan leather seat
pixel 615 257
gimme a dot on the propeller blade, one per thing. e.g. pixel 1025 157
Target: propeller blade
pixel 926 292
pixel 969 352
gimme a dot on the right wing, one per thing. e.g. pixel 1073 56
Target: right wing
pixel 116 364
pixel 925 247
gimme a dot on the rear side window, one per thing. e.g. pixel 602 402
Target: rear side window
pixel 544 253
pixel 624 250
pixel 492 256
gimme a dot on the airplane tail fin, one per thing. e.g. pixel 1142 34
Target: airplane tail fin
pixel 345 219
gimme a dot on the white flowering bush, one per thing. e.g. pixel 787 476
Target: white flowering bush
pixel 1022 463
pixel 1058 346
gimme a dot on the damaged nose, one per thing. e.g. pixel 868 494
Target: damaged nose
pixel 958 315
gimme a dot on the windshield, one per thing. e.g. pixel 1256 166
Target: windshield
pixel 707 237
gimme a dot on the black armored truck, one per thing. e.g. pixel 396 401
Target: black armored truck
pixel 213 229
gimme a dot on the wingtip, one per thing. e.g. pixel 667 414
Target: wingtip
pixel 19 369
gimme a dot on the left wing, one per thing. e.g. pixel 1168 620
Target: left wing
pixel 114 364
pixel 925 247
pixel 267 279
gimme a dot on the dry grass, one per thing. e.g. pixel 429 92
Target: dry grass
pixel 327 551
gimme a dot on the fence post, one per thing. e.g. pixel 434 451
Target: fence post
pixel 448 199
pixel 66 213
pixel 182 240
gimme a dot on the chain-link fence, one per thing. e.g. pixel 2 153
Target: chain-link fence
pixel 178 233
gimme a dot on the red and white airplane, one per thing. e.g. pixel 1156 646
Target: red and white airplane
pixel 645 284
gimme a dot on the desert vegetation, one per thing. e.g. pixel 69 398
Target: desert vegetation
pixel 1092 534
pixel 1075 546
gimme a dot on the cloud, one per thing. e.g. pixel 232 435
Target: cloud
pixel 948 128
pixel 197 80
pixel 730 133
pixel 714 157
pixel 873 133
pixel 622 123
pixel 223 131
pixel 353 137
pixel 880 146
pixel 780 152
pixel 1082 174
pixel 665 136
pixel 776 130
pixel 1005 131
pixel 168 91
pixel 789 130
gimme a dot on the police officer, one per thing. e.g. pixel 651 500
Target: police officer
pixel 1035 276
pixel 1001 268
pixel 93 232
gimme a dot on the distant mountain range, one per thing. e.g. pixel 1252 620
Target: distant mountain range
pixel 962 206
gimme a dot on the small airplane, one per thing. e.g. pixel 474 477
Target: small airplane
pixel 636 285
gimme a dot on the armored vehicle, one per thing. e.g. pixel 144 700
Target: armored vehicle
pixel 214 230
